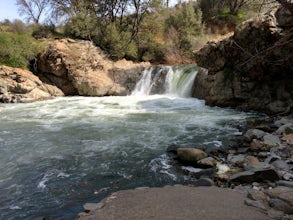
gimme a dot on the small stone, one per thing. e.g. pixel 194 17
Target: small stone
pixel 288 138
pixel 262 154
pixel 190 154
pixel 142 187
pixel 275 214
pixel 271 140
pixel 236 159
pixel 252 162
pixel 208 162
pixel 256 204
pixel 287 175
pixel 256 145
pixel 232 151
pixel 272 158
pixel 242 188
pixel 88 207
pixel 242 150
pixel 71 40
pixel 281 192
pixel 254 134
pixel 204 182
pixel 285 129
pixel 256 195
pixel 280 164
pixel 285 183
pixel 264 128
pixel 281 205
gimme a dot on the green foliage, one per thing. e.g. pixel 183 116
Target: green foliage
pixel 44 31
pixel 16 50
pixel 81 26
pixel 116 42
pixel 187 22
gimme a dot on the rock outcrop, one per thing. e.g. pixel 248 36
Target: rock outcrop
pixel 251 70
pixel 18 85
pixel 79 68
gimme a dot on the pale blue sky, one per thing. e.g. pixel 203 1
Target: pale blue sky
pixel 8 10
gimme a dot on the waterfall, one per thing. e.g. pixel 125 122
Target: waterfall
pixel 176 80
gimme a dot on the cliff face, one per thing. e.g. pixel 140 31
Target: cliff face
pixel 79 68
pixel 252 70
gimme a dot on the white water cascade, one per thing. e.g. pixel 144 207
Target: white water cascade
pixel 176 81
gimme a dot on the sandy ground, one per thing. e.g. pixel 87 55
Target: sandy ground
pixel 176 203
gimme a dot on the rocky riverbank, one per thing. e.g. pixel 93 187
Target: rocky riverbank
pixel 258 162
pixel 251 70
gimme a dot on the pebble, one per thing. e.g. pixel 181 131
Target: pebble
pixel 256 204
pixel 92 206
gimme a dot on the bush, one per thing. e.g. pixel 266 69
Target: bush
pixel 44 31
pixel 17 50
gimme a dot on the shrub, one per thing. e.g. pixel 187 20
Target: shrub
pixel 17 50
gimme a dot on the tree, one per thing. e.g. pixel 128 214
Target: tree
pixel 186 20
pixel 236 5
pixel 32 9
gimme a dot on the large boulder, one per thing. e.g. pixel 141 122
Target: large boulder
pixel 252 70
pixel 18 85
pixel 79 68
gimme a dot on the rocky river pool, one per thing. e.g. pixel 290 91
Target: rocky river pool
pixel 58 154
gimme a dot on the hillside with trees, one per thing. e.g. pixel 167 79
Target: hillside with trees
pixel 139 30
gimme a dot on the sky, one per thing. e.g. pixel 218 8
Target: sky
pixel 8 10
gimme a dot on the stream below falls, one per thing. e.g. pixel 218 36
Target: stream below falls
pixel 58 154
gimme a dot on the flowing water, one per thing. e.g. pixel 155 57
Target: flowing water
pixel 57 155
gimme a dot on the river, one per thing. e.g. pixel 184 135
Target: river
pixel 58 154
